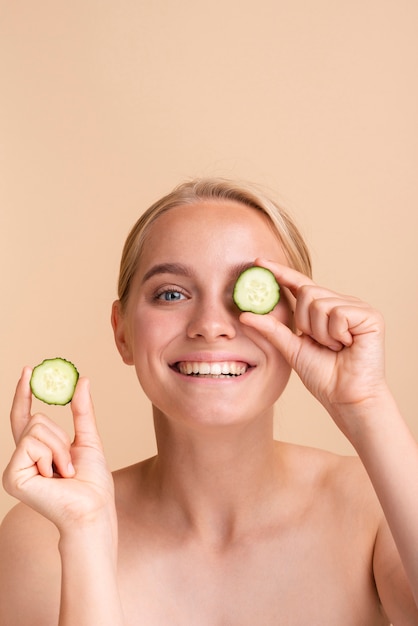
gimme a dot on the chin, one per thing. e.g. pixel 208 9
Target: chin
pixel 216 417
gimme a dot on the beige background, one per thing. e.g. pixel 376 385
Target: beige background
pixel 106 105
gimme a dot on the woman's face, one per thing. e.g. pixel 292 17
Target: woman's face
pixel 181 328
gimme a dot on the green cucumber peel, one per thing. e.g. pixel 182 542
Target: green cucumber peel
pixel 54 380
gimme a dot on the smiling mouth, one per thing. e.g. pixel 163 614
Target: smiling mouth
pixel 216 369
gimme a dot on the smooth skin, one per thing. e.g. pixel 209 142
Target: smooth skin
pixel 225 526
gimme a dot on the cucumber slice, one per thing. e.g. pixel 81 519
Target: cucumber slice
pixel 53 381
pixel 256 290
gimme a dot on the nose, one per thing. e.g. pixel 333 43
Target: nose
pixel 212 321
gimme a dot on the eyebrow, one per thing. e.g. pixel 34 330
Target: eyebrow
pixel 167 268
pixel 183 270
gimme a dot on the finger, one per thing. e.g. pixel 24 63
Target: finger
pixel 313 314
pixel 325 316
pixel 289 279
pixel 40 418
pixel 56 440
pixel 324 332
pixel 339 325
pixel 277 333
pixel 285 275
pixel 354 321
pixel 85 429
pixel 33 459
pixel 20 413
pixel 304 314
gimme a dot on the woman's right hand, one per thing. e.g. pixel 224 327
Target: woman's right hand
pixel 68 483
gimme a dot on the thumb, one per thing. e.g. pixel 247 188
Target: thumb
pixel 277 333
pixel 85 428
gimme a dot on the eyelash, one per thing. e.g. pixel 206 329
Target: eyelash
pixel 169 290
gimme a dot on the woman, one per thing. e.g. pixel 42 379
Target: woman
pixel 224 525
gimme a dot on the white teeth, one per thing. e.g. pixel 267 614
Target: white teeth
pixel 204 368
pixel 221 368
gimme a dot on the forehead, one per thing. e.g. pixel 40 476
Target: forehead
pixel 217 230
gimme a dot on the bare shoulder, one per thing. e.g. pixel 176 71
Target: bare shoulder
pixel 324 466
pixel 341 481
pixel 131 484
pixel 354 495
pixel 30 563
pixel 29 593
pixel 23 527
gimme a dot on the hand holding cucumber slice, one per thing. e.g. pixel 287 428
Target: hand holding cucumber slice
pixel 53 381
pixel 256 290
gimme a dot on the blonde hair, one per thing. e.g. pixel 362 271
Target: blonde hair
pixel 201 189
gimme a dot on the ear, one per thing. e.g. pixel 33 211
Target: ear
pixel 120 333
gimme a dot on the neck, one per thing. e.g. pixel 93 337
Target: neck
pixel 216 478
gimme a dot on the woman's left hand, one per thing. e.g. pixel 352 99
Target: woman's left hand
pixel 336 346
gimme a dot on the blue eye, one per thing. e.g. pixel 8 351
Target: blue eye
pixel 170 295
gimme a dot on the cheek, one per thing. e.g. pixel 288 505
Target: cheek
pixel 146 338
pixel 151 334
pixel 145 333
pixel 276 370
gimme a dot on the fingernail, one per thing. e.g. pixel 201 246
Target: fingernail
pixel 70 468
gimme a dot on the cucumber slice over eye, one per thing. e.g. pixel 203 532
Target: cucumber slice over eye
pixel 53 381
pixel 256 290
